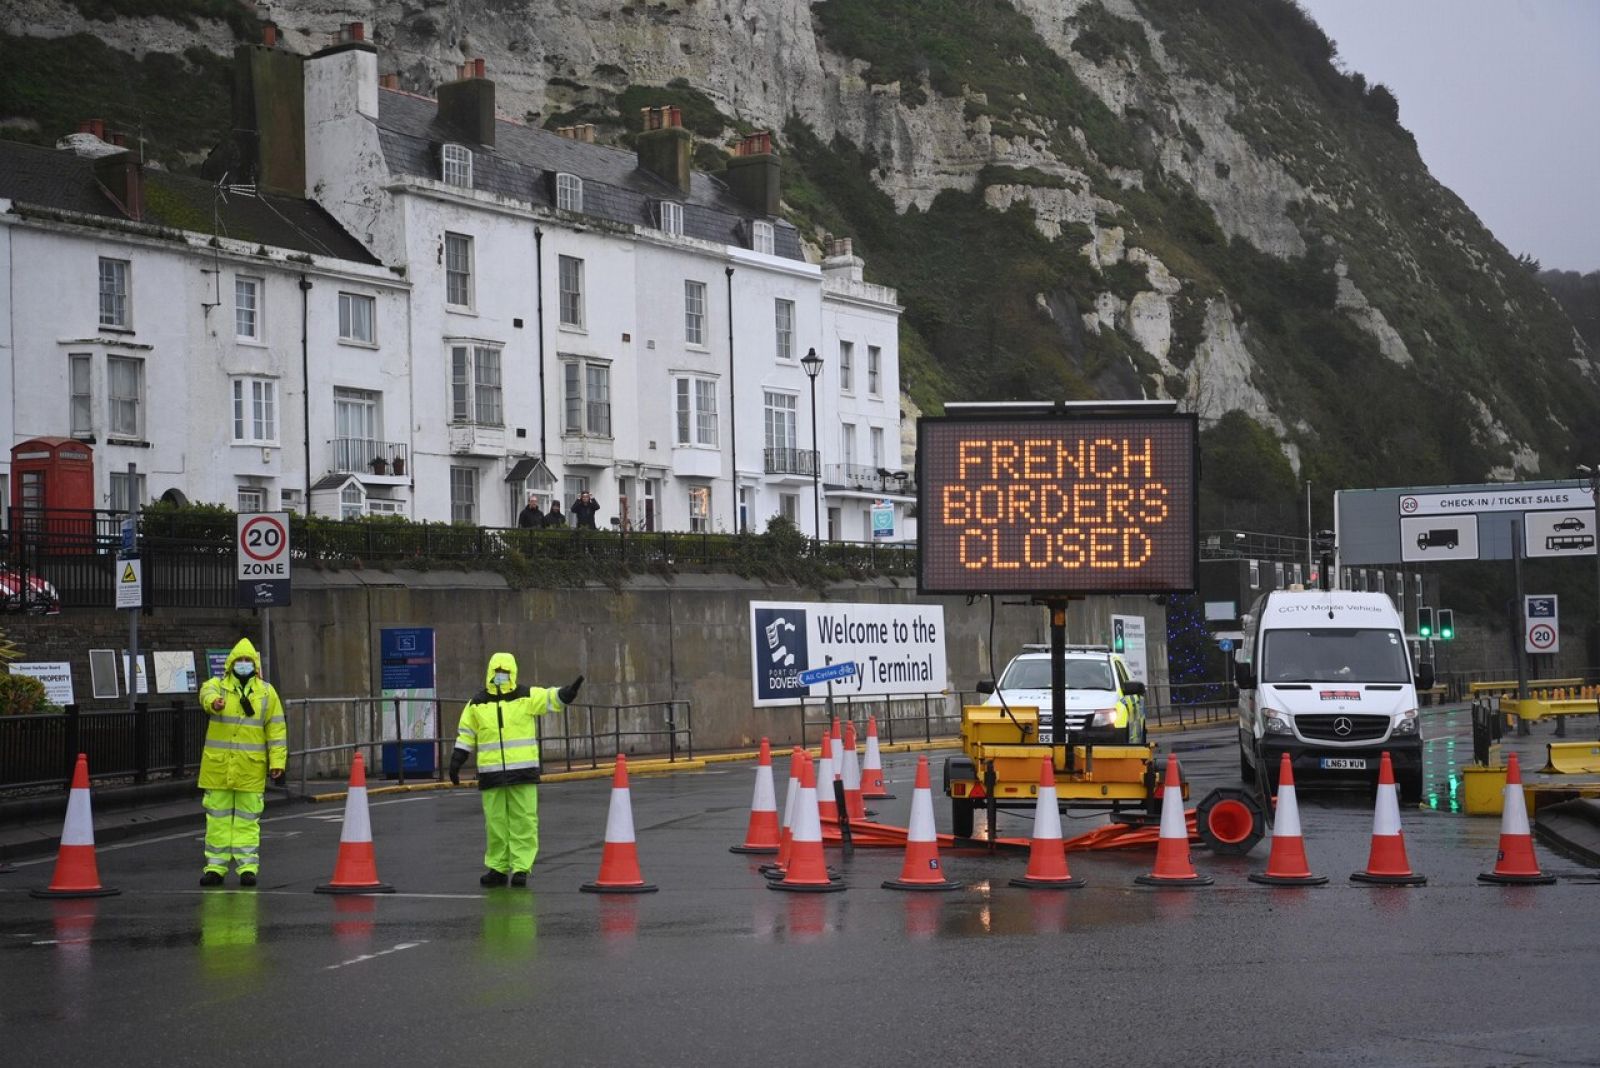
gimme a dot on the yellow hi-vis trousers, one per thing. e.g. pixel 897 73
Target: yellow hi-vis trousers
pixel 511 824
pixel 233 829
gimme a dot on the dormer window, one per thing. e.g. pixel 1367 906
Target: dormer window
pixel 569 192
pixel 458 166
pixel 670 214
pixel 761 238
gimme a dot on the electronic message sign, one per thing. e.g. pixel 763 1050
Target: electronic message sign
pixel 1057 506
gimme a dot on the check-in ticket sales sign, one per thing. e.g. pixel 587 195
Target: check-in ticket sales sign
pixel 1058 506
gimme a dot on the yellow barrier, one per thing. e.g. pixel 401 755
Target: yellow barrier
pixel 1510 686
pixel 1536 708
pixel 1571 758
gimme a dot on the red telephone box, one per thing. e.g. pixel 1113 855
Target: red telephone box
pixel 52 491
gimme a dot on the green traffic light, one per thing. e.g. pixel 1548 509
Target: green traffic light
pixel 1425 622
pixel 1447 624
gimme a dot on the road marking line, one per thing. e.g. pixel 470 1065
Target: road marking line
pixel 375 956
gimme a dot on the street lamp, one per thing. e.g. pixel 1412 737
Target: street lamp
pixel 1593 476
pixel 813 367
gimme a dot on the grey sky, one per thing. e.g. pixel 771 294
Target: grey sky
pixel 1504 99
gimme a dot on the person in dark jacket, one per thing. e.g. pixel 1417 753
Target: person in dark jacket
pixel 584 509
pixel 498 726
pixel 531 518
pixel 555 517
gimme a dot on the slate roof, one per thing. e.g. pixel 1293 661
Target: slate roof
pixel 524 160
pixel 59 180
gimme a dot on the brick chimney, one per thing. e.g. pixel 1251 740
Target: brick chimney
pixel 840 261
pixel 664 146
pixel 122 175
pixel 752 174
pixel 269 115
pixel 467 104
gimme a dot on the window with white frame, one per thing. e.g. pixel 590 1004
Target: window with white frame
pixel 699 509
pixel 247 308
pixel 847 438
pixel 255 411
pixel 357 429
pixel 789 506
pixel 761 237
pixel 457 165
pixel 876 436
pixel 252 499
pixel 356 318
pixel 385 506
pixel 781 423
pixel 124 397
pixel 694 313
pixel 670 214
pixel 464 495
pixel 458 270
pixel 80 366
pixel 352 501
pixel 573 487
pixel 569 192
pixel 874 371
pixel 783 321
pixel 696 410
pixel 847 366
pixel 475 394
pixel 113 292
pixel 570 269
pixel 586 388
pixel 125 491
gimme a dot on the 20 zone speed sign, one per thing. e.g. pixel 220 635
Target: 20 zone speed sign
pixel 262 552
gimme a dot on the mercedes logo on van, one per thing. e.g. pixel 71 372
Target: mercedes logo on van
pixel 1343 726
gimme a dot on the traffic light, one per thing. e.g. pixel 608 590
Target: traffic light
pixel 1424 622
pixel 1447 624
pixel 1119 642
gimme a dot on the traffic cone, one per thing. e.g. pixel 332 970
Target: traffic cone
pixel 776 868
pixel 872 787
pixel 619 859
pixel 827 807
pixel 76 873
pixel 1047 854
pixel 1386 863
pixel 836 749
pixel 356 869
pixel 921 869
pixel 1173 866
pixel 1286 864
pixel 1515 864
pixel 852 776
pixel 807 872
pixel 762 835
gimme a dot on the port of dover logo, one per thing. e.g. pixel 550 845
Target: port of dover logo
pixel 781 652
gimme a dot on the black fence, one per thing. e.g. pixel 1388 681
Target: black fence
pixel 138 743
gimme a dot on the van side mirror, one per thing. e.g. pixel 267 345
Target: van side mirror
pixel 1244 675
pixel 1424 676
pixel 985 686
pixel 1133 688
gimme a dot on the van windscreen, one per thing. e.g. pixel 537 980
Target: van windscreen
pixel 1335 655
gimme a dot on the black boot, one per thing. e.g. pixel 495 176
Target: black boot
pixel 247 878
pixel 519 878
pixel 211 878
pixel 492 878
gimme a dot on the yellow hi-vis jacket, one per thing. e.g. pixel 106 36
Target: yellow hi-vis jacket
pixel 248 735
pixel 498 725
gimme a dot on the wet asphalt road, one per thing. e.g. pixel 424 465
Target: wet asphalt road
pixel 715 969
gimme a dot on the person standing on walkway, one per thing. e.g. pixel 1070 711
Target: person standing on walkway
pixel 498 726
pixel 531 518
pixel 584 509
pixel 246 740
pixel 555 517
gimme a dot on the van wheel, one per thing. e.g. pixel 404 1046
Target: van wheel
pixel 1247 770
pixel 1410 787
pixel 961 813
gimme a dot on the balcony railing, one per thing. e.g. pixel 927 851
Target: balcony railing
pixel 360 456
pixel 869 479
pixel 791 462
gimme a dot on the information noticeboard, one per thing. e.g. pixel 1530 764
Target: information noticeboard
pixel 1058 505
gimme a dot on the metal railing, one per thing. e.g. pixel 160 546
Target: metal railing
pixel 901 717
pixel 353 455
pixel 869 478
pixel 40 751
pixel 790 461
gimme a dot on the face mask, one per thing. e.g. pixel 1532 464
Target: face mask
pixel 244 669
pixel 501 678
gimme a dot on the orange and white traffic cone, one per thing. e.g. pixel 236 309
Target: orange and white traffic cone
pixel 1047 854
pixel 1286 864
pixel 785 836
pixel 835 749
pixel 762 834
pixel 852 776
pixel 1516 863
pixel 77 874
pixel 356 869
pixel 1173 866
pixel 1386 862
pixel 619 858
pixel 807 872
pixel 921 870
pixel 872 787
pixel 827 807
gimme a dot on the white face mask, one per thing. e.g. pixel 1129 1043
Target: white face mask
pixel 244 669
pixel 502 677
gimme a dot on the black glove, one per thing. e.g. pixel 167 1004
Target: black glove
pixel 570 690
pixel 457 759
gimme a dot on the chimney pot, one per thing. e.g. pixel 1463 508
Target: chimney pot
pixel 119 139
pixel 356 31
pixel 269 35
pixel 477 68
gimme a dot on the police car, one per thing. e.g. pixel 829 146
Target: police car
pixel 1104 703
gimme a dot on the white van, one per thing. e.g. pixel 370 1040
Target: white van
pixel 1326 676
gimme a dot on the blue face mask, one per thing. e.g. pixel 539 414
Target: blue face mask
pixel 244 669
pixel 501 678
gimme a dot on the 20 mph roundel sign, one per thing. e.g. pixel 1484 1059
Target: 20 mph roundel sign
pixel 1541 638
pixel 262 553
